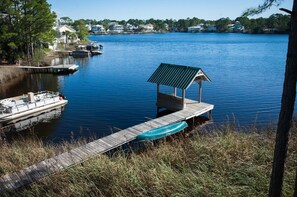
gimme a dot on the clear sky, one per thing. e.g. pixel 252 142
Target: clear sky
pixel 157 9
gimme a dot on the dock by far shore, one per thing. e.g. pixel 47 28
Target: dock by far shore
pixel 56 69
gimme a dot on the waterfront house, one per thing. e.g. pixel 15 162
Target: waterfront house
pixel 146 28
pixel 131 28
pixel 98 29
pixel 194 29
pixel 236 27
pixel 114 27
pixel 89 27
pixel 67 34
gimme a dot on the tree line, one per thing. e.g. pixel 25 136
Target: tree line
pixel 26 27
pixel 280 23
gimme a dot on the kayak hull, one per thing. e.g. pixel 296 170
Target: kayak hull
pixel 162 132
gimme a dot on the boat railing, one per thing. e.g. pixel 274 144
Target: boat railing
pixel 2 110
pixel 40 99
pixel 46 92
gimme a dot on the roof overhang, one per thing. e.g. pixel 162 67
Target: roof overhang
pixel 178 76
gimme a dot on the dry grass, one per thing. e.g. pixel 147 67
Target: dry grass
pixel 224 163
pixel 7 74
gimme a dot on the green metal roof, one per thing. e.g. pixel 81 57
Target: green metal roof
pixel 176 75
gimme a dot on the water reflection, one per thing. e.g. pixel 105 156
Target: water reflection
pixel 69 60
pixel 30 83
pixel 28 122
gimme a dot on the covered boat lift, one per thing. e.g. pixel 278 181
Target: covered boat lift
pixel 177 76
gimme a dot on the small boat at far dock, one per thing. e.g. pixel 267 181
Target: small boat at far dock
pixel 28 104
pixel 163 131
pixel 80 52
pixel 95 49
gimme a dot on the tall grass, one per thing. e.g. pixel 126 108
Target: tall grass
pixel 222 163
pixel 7 74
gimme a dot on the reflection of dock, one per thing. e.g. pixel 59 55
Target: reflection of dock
pixel 170 75
pixel 57 69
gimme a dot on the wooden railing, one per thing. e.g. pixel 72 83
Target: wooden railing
pixel 170 102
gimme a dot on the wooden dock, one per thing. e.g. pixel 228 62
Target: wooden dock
pixel 56 69
pixel 78 155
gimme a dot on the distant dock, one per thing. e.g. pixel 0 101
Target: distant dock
pixel 57 69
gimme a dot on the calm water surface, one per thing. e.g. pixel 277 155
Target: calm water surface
pixel 111 90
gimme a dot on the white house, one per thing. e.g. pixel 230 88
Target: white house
pixel 146 28
pixel 64 38
pixel 98 29
pixel 114 27
pixel 236 27
pixel 64 28
pixel 89 27
pixel 131 28
pixel 67 34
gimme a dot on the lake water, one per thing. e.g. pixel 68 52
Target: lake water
pixel 111 90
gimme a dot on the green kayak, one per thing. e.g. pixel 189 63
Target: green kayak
pixel 163 131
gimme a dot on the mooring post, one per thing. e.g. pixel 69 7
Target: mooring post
pixel 174 91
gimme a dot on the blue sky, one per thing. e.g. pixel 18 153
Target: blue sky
pixel 158 9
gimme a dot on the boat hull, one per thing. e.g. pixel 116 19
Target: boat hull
pixel 162 132
pixel 26 113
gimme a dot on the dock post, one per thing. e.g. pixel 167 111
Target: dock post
pixel 200 91
pixel 183 99
pixel 209 115
pixel 174 91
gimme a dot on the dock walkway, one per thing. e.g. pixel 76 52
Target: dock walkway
pixel 62 68
pixel 78 155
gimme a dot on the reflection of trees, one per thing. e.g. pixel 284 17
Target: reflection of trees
pixel 62 60
pixel 82 61
pixel 7 86
pixel 30 83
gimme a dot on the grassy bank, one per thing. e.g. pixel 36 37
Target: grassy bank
pixel 224 163
pixel 7 74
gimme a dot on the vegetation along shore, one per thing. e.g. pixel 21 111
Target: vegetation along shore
pixel 223 162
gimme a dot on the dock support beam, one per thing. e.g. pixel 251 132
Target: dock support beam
pixel 174 91
pixel 200 91
pixel 158 90
pixel 184 96
pixel 209 115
